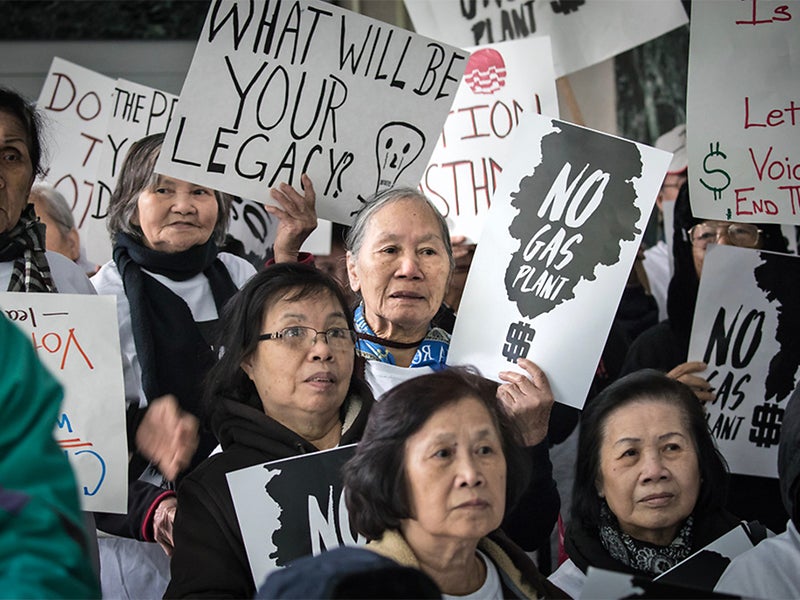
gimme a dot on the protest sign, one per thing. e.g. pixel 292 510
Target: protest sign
pixel 277 89
pixel 555 253
pixel 583 33
pixel 291 508
pixel 77 339
pixel 77 104
pixel 500 83
pixel 742 142
pixel 747 334
pixel 136 111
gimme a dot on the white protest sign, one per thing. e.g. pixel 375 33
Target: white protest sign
pixel 136 111
pixel 745 328
pixel 291 508
pixel 501 82
pixel 555 253
pixel 77 338
pixel 583 33
pixel 744 160
pixel 77 103
pixel 277 89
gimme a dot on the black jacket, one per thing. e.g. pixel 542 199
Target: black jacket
pixel 210 558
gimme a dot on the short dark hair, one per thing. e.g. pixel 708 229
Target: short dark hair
pixel 31 119
pixel 136 175
pixel 375 478
pixel 241 321
pixel 646 385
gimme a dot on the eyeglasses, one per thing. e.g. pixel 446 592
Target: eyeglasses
pixel 738 234
pixel 303 338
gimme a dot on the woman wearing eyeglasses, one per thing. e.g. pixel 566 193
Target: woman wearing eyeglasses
pixel 665 346
pixel 284 386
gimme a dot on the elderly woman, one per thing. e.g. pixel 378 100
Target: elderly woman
pixel 25 264
pixel 170 282
pixel 665 346
pixel 649 482
pixel 428 486
pixel 284 386
pixel 399 261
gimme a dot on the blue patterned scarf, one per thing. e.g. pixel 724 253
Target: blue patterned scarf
pixel 432 351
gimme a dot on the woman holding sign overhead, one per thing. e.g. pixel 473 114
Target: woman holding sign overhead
pixel 399 261
pixel 285 385
pixel 170 281
pixel 25 264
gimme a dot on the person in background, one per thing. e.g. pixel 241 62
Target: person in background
pixel 44 551
pixel 665 346
pixel 284 386
pixel 25 263
pixel 170 282
pixel 649 482
pixel 770 569
pixel 429 484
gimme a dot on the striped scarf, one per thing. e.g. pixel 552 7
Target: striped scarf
pixel 24 244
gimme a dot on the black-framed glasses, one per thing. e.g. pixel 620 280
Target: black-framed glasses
pixel 299 337
pixel 738 234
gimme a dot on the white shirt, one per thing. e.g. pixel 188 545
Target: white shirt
pixel 490 590
pixel 196 292
pixel 68 277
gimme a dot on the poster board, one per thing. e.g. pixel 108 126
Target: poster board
pixel 745 328
pixel 291 508
pixel 744 161
pixel 500 83
pixel 76 336
pixel 555 253
pixel 583 33
pixel 276 89
pixel 77 103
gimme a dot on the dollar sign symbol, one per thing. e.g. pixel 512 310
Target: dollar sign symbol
pixel 716 190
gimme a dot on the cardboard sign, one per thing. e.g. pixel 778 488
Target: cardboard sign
pixel 500 83
pixel 583 33
pixel 555 253
pixel 279 88
pixel 77 338
pixel 745 328
pixel 77 103
pixel 291 508
pixel 744 161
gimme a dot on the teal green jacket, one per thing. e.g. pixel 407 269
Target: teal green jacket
pixel 43 551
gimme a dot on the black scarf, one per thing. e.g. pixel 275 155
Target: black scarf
pixel 173 354
pixel 24 244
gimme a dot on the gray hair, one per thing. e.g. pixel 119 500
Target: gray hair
pixel 355 236
pixel 56 206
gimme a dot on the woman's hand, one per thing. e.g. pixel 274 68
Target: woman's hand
pixel 167 436
pixel 297 216
pixel 528 399
pixel 701 388
pixel 163 518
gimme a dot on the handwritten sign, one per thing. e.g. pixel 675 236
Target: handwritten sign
pixel 742 145
pixel 77 103
pixel 277 89
pixel 77 338
pixel 292 508
pixel 747 334
pixel 555 253
pixel 583 33
pixel 500 83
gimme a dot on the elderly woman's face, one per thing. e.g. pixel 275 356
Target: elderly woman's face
pixel 455 475
pixel 16 170
pixel 649 473
pixel 402 267
pixel 301 381
pixel 176 215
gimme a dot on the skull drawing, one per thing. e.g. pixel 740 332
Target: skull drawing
pixel 398 145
